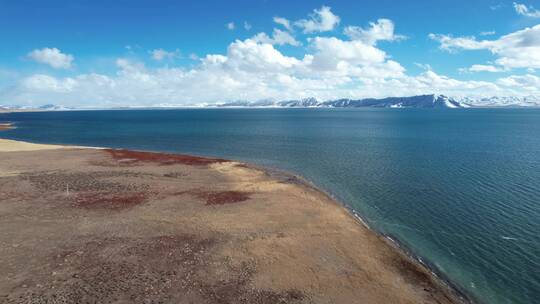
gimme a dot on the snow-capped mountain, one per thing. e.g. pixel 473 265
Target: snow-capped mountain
pixel 265 103
pixel 302 103
pixel 421 101
pixel 502 101
pixel 53 107
pixel 46 107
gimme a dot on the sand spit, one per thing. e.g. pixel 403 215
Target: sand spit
pixel 7 145
pixel 6 126
pixel 88 225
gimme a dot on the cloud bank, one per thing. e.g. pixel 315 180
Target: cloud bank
pixel 346 63
pixel 520 49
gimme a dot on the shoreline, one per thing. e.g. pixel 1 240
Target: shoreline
pixel 447 287
pixel 394 242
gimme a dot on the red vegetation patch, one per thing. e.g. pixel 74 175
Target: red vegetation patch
pixel 127 156
pixel 219 197
pixel 112 201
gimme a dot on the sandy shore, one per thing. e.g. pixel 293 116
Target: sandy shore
pixel 88 225
pixel 7 145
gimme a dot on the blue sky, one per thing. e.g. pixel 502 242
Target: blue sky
pixel 100 53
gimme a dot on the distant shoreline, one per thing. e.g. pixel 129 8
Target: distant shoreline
pixel 6 126
pixel 432 101
pixel 509 107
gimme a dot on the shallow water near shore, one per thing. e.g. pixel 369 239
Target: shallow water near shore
pixel 461 188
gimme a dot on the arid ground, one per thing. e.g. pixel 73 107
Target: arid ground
pixel 114 226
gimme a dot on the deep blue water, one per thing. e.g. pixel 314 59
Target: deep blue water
pixel 460 188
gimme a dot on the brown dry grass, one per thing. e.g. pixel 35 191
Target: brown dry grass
pixel 179 229
pixel 218 197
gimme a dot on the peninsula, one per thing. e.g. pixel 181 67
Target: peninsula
pixel 101 225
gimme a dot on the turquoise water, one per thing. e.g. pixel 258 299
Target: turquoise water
pixel 460 188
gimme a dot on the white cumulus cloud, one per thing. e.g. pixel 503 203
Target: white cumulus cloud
pixel 520 49
pixel 382 30
pixel 321 20
pixel 279 37
pixel 527 81
pixel 524 10
pixel 161 54
pixel 484 68
pixel 334 54
pixel 41 82
pixel 53 57
pixel 284 22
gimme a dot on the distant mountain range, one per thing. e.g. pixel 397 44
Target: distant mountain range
pixel 47 107
pixel 419 101
pixel 508 101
